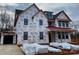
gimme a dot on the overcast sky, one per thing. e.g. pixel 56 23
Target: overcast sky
pixel 71 9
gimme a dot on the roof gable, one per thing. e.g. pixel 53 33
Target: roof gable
pixel 62 16
pixel 30 7
pixel 41 12
pixel 19 12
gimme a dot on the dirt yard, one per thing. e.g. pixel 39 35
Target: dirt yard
pixel 10 50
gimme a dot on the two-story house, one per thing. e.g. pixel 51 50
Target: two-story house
pixel 34 25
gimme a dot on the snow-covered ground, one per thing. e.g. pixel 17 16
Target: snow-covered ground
pixel 65 46
pixel 51 49
pixel 74 47
pixel 34 48
pixel 61 45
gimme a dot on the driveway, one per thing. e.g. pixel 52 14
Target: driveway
pixel 10 50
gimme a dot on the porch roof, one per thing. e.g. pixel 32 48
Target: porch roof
pixel 8 33
pixel 59 29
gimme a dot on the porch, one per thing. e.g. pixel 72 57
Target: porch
pixel 57 34
pixel 59 37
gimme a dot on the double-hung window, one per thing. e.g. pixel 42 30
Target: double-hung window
pixel 59 23
pixel 41 35
pixel 40 22
pixel 63 24
pixel 59 35
pixel 67 37
pixel 63 35
pixel 67 24
pixel 25 21
pixel 25 35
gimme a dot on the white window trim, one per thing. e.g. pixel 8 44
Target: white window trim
pixel 64 35
pixel 61 23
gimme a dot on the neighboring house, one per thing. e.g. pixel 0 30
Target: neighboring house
pixel 34 25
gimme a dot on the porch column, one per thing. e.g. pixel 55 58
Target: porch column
pixel 69 37
pixel 2 38
pixel 56 37
pixel 56 23
pixel 51 36
pixel 14 39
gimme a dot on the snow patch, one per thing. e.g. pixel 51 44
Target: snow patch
pixel 74 47
pixel 61 45
pixel 34 48
pixel 51 49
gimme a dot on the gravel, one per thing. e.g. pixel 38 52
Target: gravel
pixel 10 50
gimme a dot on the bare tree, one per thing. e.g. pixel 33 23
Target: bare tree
pixel 5 21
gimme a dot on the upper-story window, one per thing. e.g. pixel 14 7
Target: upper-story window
pixel 25 21
pixel 67 24
pixel 63 24
pixel 59 24
pixel 40 22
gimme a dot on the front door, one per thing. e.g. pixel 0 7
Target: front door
pixel 51 36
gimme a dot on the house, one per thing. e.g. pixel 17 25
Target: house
pixel 34 25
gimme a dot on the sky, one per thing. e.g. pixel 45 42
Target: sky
pixel 72 9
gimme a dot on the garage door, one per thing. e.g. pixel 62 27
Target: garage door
pixel 8 39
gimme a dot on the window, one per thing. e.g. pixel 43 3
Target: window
pixel 25 35
pixel 63 24
pixel 67 36
pixel 25 21
pixel 49 15
pixel 41 35
pixel 59 35
pixel 67 25
pixel 59 23
pixel 40 22
pixel 62 35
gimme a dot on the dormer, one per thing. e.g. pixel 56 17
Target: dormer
pixel 49 14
